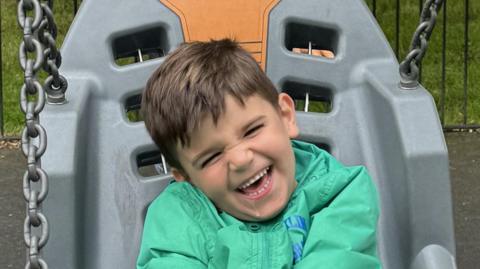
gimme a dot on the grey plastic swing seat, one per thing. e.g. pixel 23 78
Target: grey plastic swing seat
pixel 97 197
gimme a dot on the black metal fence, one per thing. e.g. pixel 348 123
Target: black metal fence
pixel 458 126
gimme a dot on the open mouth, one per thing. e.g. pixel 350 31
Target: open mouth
pixel 258 186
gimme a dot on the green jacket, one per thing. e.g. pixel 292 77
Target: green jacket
pixel 330 222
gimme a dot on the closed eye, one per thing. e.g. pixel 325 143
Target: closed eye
pixel 252 131
pixel 210 159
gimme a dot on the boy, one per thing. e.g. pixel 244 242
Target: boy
pixel 245 195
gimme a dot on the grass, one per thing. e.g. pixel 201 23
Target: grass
pixel 385 10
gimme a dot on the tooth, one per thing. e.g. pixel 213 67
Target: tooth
pixel 255 178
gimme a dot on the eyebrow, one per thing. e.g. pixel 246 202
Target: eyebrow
pixel 199 156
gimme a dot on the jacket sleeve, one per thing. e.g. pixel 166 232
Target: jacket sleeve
pixel 172 238
pixel 343 234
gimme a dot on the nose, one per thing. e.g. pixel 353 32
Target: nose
pixel 239 158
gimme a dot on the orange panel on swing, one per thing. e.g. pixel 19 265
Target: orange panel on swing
pixel 245 20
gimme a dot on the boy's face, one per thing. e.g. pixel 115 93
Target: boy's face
pixel 245 163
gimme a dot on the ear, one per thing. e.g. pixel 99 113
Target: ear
pixel 178 175
pixel 287 112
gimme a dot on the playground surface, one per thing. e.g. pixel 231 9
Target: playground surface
pixel 464 153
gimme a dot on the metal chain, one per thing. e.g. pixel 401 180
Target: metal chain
pixel 37 50
pixel 55 84
pixel 409 70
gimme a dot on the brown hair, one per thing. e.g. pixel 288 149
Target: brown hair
pixel 192 82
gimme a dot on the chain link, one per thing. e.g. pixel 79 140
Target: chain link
pixel 409 70
pixel 55 84
pixel 37 51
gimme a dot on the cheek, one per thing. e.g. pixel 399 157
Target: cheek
pixel 272 139
pixel 211 181
pixel 276 145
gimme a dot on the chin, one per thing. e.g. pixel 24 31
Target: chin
pixel 264 216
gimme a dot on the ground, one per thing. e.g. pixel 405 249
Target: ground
pixel 464 153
